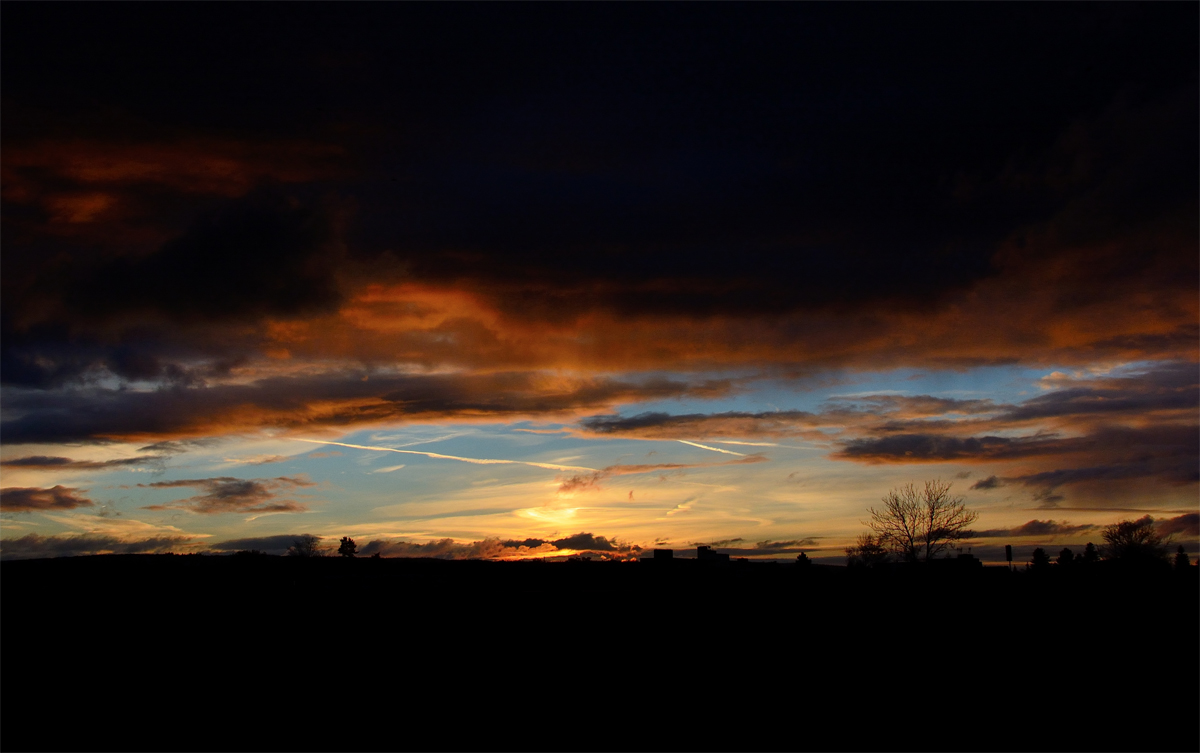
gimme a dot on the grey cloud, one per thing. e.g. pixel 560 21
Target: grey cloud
pixel 781 546
pixel 991 482
pixel 277 544
pixel 699 424
pixel 33 546
pixel 48 462
pixel 585 541
pixel 97 414
pixel 226 494
pixel 1036 528
pixel 33 499
pixel 939 448
pixel 1187 524
pixel 492 548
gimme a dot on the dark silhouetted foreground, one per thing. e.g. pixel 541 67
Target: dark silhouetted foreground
pixel 251 652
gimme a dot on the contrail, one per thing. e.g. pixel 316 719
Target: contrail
pixel 765 444
pixel 714 449
pixel 479 461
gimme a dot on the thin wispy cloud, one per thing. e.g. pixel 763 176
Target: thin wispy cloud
pixel 439 456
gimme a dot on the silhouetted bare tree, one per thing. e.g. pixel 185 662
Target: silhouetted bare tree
pixel 918 524
pixel 306 546
pixel 1135 541
pixel 866 552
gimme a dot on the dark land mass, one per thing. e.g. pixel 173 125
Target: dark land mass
pixel 165 652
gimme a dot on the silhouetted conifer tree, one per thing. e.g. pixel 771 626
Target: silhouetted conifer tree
pixel 1181 559
pixel 1090 555
pixel 348 547
pixel 1041 560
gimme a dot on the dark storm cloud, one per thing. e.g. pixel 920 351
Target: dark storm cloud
pixel 1049 528
pixel 655 424
pixel 349 398
pixel 1165 454
pixel 226 494
pixel 661 145
pixel 33 499
pixel 260 256
pixel 45 462
pixel 268 235
pixel 33 546
pixel 1167 386
pixel 939 448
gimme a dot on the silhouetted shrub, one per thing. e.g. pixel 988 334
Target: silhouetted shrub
pixel 866 552
pixel 306 546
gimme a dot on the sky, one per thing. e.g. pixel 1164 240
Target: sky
pixel 540 280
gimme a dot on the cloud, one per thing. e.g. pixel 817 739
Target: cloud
pixel 983 484
pixel 1048 528
pixel 48 462
pixel 449 549
pixel 34 546
pixel 683 507
pixel 585 541
pixel 1187 524
pixel 226 495
pixel 312 401
pixel 592 481
pixel 25 499
pixel 439 456
pixel 935 448
pixel 778 547
pixel 259 460
pixel 655 425
pixel 494 548
pixel 277 544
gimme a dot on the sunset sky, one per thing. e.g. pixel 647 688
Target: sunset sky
pixel 525 280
